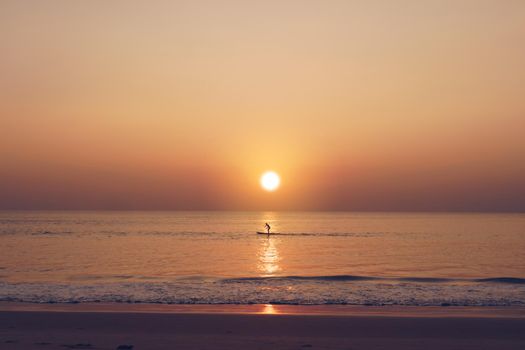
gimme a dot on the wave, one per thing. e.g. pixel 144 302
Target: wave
pixel 328 234
pixel 511 280
pixel 207 234
pixel 351 278
pixel 302 278
pixel 299 291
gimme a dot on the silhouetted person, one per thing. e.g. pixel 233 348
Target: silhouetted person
pixel 267 227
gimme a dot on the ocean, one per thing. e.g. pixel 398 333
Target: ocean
pixel 217 258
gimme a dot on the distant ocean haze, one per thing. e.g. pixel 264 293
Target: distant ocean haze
pixel 217 257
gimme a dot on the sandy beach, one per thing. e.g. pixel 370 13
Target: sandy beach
pixel 121 326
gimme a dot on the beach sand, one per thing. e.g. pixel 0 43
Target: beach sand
pixel 126 326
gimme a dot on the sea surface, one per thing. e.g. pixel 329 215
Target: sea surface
pixel 217 258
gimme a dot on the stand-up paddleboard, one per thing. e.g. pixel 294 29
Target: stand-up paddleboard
pixel 266 233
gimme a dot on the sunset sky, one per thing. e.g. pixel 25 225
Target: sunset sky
pixel 358 105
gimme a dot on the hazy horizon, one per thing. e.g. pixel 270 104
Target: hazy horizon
pixel 377 212
pixel 182 105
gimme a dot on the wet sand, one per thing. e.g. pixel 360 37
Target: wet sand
pixel 110 326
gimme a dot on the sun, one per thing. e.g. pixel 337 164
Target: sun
pixel 270 181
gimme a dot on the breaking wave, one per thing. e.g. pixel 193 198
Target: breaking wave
pixel 350 278
pixel 293 290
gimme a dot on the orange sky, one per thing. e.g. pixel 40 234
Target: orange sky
pixel 359 105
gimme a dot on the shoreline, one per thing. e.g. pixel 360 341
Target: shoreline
pixel 273 309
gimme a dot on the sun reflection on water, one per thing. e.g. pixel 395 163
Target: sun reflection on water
pixel 269 309
pixel 269 257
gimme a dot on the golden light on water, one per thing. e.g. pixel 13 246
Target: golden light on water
pixel 269 258
pixel 269 309
pixel 270 181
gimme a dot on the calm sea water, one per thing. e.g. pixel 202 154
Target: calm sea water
pixel 216 257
